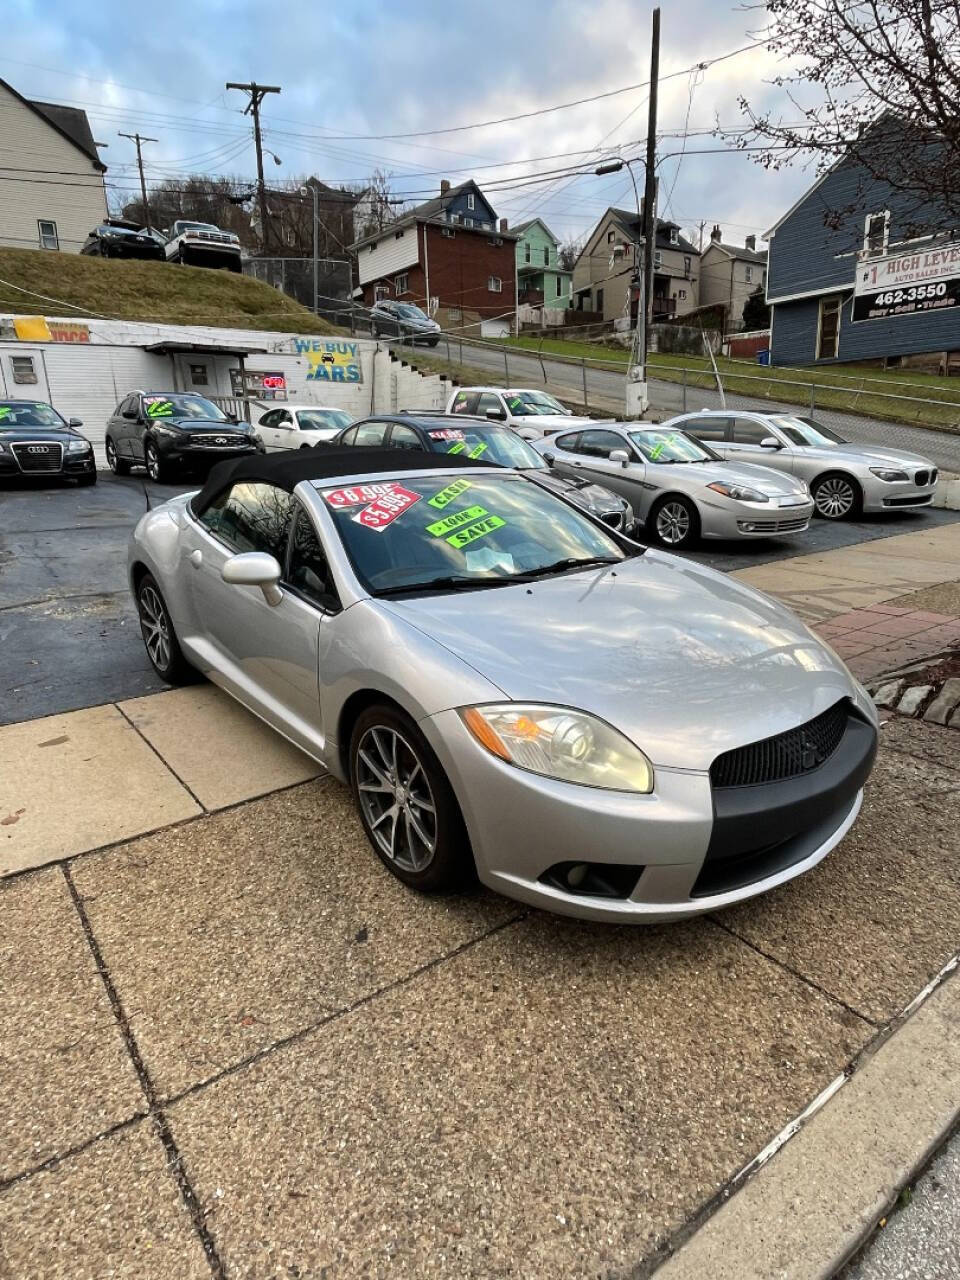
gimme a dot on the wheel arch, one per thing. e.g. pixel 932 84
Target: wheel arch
pixel 351 711
pixel 836 471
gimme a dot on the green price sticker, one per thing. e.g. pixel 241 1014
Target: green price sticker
pixel 457 448
pixel 656 451
pixel 5 411
pixel 446 496
pixel 449 523
pixel 477 449
pixel 472 532
pixel 160 409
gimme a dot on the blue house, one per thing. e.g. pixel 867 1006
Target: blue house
pixel 860 270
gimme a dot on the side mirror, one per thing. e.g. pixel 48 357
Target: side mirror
pixel 619 455
pixel 549 458
pixel 254 569
pixel 497 415
pixel 770 442
pixel 75 422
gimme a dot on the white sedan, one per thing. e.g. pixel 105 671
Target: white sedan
pixel 532 413
pixel 299 426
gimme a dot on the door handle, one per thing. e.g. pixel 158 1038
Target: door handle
pixel 196 558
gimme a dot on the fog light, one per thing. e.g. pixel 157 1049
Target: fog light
pixel 576 875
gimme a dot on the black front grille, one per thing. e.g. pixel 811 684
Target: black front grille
pixel 788 755
pixel 39 457
pixel 921 478
pixel 613 518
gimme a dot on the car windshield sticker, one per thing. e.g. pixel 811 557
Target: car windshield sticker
pixel 477 449
pixel 449 523
pixel 386 508
pixel 359 494
pixel 473 531
pixel 159 408
pixel 5 411
pixel 515 402
pixel 656 451
pixel 448 433
pixel 457 448
pixel 446 496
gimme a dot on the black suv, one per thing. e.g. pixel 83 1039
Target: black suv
pixel 119 238
pixel 36 441
pixel 480 438
pixel 170 432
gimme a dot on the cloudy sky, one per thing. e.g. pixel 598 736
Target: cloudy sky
pixel 377 67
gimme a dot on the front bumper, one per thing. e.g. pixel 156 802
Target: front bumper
pixel 882 495
pixel 731 519
pixel 694 848
pixel 189 454
pixel 71 465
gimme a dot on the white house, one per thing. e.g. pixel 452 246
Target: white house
pixel 51 178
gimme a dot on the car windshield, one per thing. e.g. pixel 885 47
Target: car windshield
pixel 195 226
pixel 528 404
pixel 27 413
pixel 492 444
pixel 447 533
pixel 321 419
pixel 808 434
pixel 176 406
pixel 671 446
pixel 409 311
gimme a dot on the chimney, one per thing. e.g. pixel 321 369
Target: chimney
pixel 751 243
pixel 504 224
pixel 444 186
pixel 716 235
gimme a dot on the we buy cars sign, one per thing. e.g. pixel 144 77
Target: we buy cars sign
pixel 384 502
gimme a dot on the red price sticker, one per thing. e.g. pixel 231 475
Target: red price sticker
pixel 386 508
pixel 359 494
pixel 448 433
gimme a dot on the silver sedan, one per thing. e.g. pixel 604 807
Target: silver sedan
pixel 845 479
pixel 512 690
pixel 678 486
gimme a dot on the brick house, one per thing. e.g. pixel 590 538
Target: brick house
pixel 449 255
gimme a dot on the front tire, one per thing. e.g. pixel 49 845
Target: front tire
pixel 117 465
pixel 156 467
pixel 406 804
pixel 674 522
pixel 159 637
pixel 837 496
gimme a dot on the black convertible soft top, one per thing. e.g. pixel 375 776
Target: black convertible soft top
pixel 286 470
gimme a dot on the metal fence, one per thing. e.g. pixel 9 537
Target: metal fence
pixel 294 277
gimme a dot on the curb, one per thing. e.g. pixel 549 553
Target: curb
pixel 948 492
pixel 819 1189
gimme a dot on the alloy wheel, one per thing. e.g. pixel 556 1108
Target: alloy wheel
pixel 111 456
pixel 153 462
pixel 673 523
pixel 395 797
pixel 835 498
pixel 155 627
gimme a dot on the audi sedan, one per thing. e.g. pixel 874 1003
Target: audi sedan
pixel 36 442
pixel 678 486
pixel 511 690
pixel 845 479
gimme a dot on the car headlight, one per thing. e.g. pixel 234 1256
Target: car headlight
pixel 78 446
pixel 560 743
pixel 739 492
pixel 163 429
pixel 884 473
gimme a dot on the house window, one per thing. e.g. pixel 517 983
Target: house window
pixel 400 284
pixel 488 226
pixel 398 235
pixel 468 222
pixel 454 313
pixel 496 241
pixel 876 231
pixel 686 266
pixel 559 286
pixel 380 292
pixel 600 300
pixel 674 236
pixel 749 275
pixel 494 284
pixel 682 294
pixel 546 256
pixel 454 217
pixel 828 329
pixel 526 253
pixel 448 232
pixel 198 375
pixel 23 370
pixel 48 234
pixel 611 235
pixel 657 258
pixel 471 202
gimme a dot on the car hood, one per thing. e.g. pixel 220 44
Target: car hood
pixel 683 660
pixel 200 424
pixel 774 483
pixel 873 456
pixel 58 435
pixel 595 494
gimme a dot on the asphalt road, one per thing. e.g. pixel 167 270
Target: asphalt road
pixel 666 398
pixel 69 636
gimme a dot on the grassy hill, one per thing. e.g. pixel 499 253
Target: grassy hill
pixel 149 291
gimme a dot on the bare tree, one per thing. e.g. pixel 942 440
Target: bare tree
pixel 568 252
pixel 376 206
pixel 878 80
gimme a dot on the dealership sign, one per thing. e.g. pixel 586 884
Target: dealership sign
pixel 908 284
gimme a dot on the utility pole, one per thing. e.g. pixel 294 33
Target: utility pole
pixel 700 241
pixel 139 139
pixel 257 93
pixel 650 196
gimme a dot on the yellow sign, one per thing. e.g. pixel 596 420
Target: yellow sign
pixel 32 329
pixel 330 360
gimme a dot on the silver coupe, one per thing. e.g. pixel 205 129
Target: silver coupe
pixel 512 690
pixel 845 479
pixel 678 486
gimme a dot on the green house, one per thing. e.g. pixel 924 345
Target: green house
pixel 541 281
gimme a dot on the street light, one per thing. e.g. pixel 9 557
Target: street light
pixel 313 192
pixel 636 390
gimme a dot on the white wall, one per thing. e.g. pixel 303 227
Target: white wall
pixel 398 249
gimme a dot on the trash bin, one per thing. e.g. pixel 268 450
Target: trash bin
pixel 763 357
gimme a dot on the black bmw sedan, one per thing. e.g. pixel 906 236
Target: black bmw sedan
pixel 172 432
pixel 36 442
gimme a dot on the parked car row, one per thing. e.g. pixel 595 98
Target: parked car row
pixel 199 244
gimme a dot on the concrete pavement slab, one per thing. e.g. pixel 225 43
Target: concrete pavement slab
pixel 225 935
pixel 881 914
pixel 220 750
pixel 803 1214
pixel 943 599
pixel 870 564
pixel 64 1072
pixel 811 594
pixel 515 1111
pixel 78 781
pixel 111 1210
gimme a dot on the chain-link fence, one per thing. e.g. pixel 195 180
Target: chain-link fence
pixel 294 277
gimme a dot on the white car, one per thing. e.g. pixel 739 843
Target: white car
pixel 532 414
pixel 299 426
pixel 201 244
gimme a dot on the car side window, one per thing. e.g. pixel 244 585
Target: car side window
pixel 371 435
pixel 465 402
pixel 487 400
pixel 598 444
pixel 251 517
pixel 403 437
pixel 130 405
pixel 349 437
pixel 706 428
pixel 270 419
pixel 747 431
pixel 570 443
pixel 308 570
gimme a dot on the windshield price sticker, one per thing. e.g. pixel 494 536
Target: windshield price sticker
pixel 5 411
pixel 449 523
pixel 472 532
pixel 157 407
pixel 386 508
pixel 447 495
pixel 458 447
pixel 361 494
pixel 448 433
pixel 477 449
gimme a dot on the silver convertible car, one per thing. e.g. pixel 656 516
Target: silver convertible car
pixel 678 486
pixel 845 479
pixel 511 689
